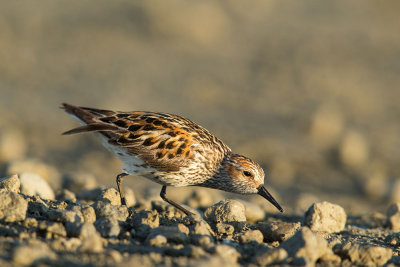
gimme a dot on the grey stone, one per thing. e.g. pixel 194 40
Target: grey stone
pixel 325 216
pixel 64 216
pixel 393 216
pixel 11 183
pixel 105 209
pixel 66 195
pixel 52 229
pixel 268 256
pixel 226 252
pixel 227 211
pixel 107 227
pixel 172 233
pixel 34 185
pixel 251 236
pixel 278 231
pixel 144 221
pixel 306 247
pixel 13 207
pixel 29 254
pixel 80 230
pixel 368 255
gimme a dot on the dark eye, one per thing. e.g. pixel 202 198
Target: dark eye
pixel 248 174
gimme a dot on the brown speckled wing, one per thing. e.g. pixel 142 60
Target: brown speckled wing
pixel 164 141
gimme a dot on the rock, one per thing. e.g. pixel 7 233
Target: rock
pixel 393 216
pixel 201 228
pixel 11 183
pixel 158 240
pixel 29 254
pixel 353 150
pixel 92 243
pixel 88 213
pixel 66 195
pixel 64 216
pixel 251 236
pixel 107 227
pixel 253 212
pixel 50 174
pixel 89 194
pixel 305 247
pixel 278 231
pixel 80 230
pixel 268 257
pixel 367 255
pixel 227 211
pixel 227 252
pixel 13 207
pixel 171 233
pixel 79 181
pixel 110 195
pixel 224 229
pixel 106 209
pixel 325 216
pixel 52 229
pixel 34 185
pixel 144 221
pixel 130 197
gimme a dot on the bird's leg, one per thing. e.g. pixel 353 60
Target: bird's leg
pixel 176 205
pixel 121 193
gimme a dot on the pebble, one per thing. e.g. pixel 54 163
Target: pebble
pixel 13 207
pixel 270 256
pixel 80 230
pixel 93 243
pixel 325 216
pixel 251 236
pixel 52 229
pixel 227 211
pixel 143 221
pixel 27 254
pixel 106 209
pixel 64 216
pixel 226 252
pixel 66 195
pixel 171 233
pixel 88 213
pixel 107 227
pixel 33 184
pixel 253 212
pixel 393 216
pixel 278 231
pixel 306 247
pixel 224 229
pixel 49 173
pixel 157 240
pixel 367 255
pixel 110 195
pixel 11 183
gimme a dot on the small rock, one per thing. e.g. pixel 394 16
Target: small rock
pixel 34 185
pixel 66 195
pixel 13 207
pixel 106 209
pixel 107 227
pixel 158 240
pixel 49 173
pixel 80 230
pixel 224 229
pixel 79 181
pixel 52 229
pixel 269 256
pixel 251 236
pixel 144 221
pixel 28 254
pixel 227 252
pixel 306 247
pixel 353 150
pixel 368 255
pixel 325 216
pixel 64 216
pixel 88 213
pixel 110 195
pixel 227 211
pixel 253 212
pixel 93 243
pixel 393 216
pixel 278 231
pixel 171 233
pixel 201 228
pixel 11 183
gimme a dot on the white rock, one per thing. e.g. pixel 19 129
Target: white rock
pixel 10 183
pixel 325 216
pixel 13 207
pixel 34 185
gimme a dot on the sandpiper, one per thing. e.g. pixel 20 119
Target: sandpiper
pixel 170 150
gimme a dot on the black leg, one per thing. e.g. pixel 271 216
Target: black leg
pixel 121 193
pixel 176 205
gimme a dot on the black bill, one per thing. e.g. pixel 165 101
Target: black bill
pixel 262 191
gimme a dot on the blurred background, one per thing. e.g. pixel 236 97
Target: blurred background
pixel 308 89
